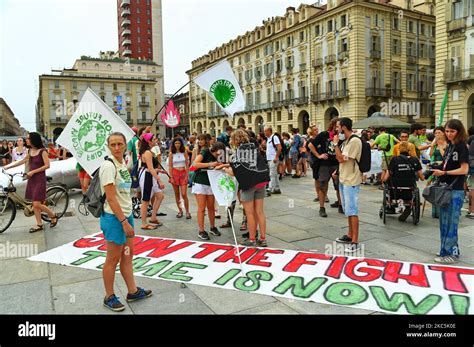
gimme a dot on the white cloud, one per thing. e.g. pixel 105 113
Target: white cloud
pixel 37 36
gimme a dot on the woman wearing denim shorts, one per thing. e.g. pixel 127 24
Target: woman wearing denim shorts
pixel 116 222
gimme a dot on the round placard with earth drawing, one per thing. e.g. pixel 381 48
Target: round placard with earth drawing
pixel 224 92
pixel 92 136
pixel 227 187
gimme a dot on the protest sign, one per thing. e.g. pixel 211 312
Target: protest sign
pixel 223 186
pixel 85 134
pixel 373 284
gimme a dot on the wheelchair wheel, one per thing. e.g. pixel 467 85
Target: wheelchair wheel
pixel 416 207
pixel 384 206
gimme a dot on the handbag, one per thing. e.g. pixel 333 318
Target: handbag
pixel 439 193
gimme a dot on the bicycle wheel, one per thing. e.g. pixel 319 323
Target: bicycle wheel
pixel 57 199
pixel 7 212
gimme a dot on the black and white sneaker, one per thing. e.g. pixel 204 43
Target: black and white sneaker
pixel 344 239
pixel 203 235
pixel 214 231
pixel 352 248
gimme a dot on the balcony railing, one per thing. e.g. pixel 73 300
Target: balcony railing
pixel 126 32
pixel 266 106
pixel 343 55
pixel 380 92
pixel 125 12
pixel 459 75
pixel 411 59
pixel 342 93
pixel 423 94
pixel 125 22
pixel 330 59
pixel 277 104
pixel 302 100
pixel 329 95
pixel 318 62
pixel 125 3
pixel 144 104
pixel 397 93
pixel 214 114
pixel 375 54
pixel 144 121
pixel 58 121
pixel 316 97
pixel 249 107
pixel 457 24
pixel 127 52
pixel 126 42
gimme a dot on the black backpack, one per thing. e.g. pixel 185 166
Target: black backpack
pixel 94 199
pixel 284 149
pixel 365 156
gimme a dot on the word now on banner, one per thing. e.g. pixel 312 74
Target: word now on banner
pixel 373 284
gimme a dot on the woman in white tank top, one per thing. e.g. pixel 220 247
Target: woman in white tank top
pixel 179 168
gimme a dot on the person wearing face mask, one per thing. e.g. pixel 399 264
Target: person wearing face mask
pixel 350 178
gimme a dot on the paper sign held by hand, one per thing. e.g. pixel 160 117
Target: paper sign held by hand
pixel 171 116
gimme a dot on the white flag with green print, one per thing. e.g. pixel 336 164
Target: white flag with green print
pixel 86 133
pixel 220 82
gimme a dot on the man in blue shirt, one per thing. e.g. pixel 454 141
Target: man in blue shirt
pixel 295 151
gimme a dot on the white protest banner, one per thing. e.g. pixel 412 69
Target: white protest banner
pixel 373 284
pixel 85 135
pixel 223 186
pixel 376 163
pixel 220 83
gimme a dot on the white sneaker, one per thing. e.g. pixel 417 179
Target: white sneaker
pixel 448 259
pixel 470 215
pixel 352 248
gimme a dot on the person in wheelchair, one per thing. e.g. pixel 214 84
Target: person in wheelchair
pixel 401 174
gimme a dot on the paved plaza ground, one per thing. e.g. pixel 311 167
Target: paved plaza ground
pixel 292 222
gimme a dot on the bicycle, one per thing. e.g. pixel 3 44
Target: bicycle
pixel 57 199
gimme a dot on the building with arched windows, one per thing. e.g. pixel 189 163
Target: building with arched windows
pixel 316 62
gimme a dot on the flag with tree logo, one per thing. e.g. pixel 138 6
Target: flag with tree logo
pixel 220 83
pixel 85 135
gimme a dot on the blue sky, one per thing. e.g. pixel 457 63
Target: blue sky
pixel 39 35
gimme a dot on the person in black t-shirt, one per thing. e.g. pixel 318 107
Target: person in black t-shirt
pixel 454 171
pixel 403 170
pixel 323 149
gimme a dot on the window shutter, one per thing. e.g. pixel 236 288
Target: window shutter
pixel 448 5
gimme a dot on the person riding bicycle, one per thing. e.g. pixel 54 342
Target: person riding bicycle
pixel 38 160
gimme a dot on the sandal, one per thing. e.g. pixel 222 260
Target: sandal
pixel 38 228
pixel 226 225
pixel 188 215
pixel 53 224
pixel 149 227
pixel 180 214
pixel 157 223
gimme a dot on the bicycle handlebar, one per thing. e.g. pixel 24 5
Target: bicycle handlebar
pixel 12 175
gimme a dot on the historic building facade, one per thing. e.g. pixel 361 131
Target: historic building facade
pixel 345 58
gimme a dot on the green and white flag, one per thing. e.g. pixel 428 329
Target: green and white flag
pixel 85 135
pixel 222 86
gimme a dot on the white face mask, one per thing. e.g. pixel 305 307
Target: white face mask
pixel 342 136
